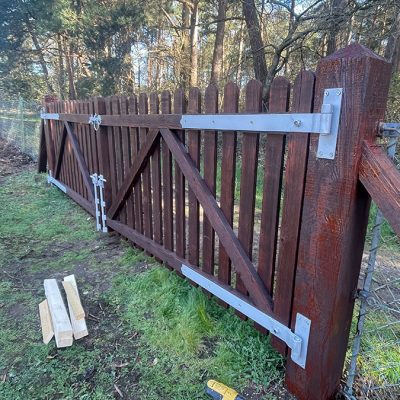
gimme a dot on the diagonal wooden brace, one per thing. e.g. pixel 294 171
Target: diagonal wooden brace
pixel 234 249
pixel 60 154
pixel 81 161
pixel 137 167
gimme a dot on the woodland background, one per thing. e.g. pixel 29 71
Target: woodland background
pixel 81 48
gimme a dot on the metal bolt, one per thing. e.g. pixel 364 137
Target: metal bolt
pixel 339 92
pixel 297 123
pixel 326 93
pixel 330 154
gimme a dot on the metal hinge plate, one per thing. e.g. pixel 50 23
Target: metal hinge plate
pixel 98 187
pixel 52 181
pixel 297 341
pixel 327 142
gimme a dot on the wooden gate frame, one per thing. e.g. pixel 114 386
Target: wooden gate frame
pixel 334 212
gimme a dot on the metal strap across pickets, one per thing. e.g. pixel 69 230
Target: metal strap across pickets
pixel 325 123
pixel 297 341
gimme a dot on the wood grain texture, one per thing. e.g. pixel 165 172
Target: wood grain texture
pixel 156 177
pixel 248 178
pixel 294 181
pixel 381 178
pixel 228 176
pixel 137 187
pixel 111 153
pixel 334 220
pixel 273 170
pixel 194 107
pixel 59 316
pixel 79 326
pixel 74 302
pixel 146 175
pixel 210 174
pixel 167 186
pixel 45 322
pixel 180 214
pixel 126 161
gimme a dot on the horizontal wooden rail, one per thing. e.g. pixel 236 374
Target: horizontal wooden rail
pixel 381 178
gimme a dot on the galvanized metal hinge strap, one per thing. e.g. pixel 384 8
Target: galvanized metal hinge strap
pixel 55 182
pixel 297 341
pixel 325 123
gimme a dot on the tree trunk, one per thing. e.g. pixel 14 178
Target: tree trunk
pixel 216 65
pixel 39 50
pixel 184 65
pixel 256 43
pixel 337 7
pixel 194 45
pixel 240 59
pixel 71 84
pixel 392 51
pixel 61 71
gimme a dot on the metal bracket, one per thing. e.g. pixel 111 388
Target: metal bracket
pixel 297 341
pixel 98 186
pixel 331 105
pixel 390 129
pixel 49 116
pixel 52 181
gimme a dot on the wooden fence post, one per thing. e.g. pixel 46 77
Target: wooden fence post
pixel 46 145
pixel 334 220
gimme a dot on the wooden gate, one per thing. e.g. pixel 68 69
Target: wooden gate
pixel 265 221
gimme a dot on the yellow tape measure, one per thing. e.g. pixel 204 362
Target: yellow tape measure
pixel 224 391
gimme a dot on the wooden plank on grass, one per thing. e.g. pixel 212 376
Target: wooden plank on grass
pixel 61 323
pixel 78 325
pixel 45 322
pixel 74 302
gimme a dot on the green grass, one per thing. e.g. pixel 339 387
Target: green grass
pixel 167 335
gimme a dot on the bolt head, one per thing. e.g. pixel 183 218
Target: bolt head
pixel 326 93
pixel 297 123
pixel 339 92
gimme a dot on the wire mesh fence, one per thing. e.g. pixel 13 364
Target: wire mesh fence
pixel 373 369
pixel 19 124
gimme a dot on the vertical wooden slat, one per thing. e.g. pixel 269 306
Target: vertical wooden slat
pixel 248 179
pixel 194 107
pixel 156 177
pixel 273 170
pixel 61 107
pixel 334 220
pixel 93 139
pixel 115 108
pixel 146 175
pixel 111 152
pixel 228 176
pixel 210 173
pixel 137 189
pixel 180 215
pixel 296 164
pixel 85 127
pixel 77 129
pixel 126 151
pixel 42 160
pixel 167 180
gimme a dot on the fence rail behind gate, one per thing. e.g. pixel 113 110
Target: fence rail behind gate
pixel 251 206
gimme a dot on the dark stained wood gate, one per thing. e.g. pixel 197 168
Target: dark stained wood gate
pixel 260 215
